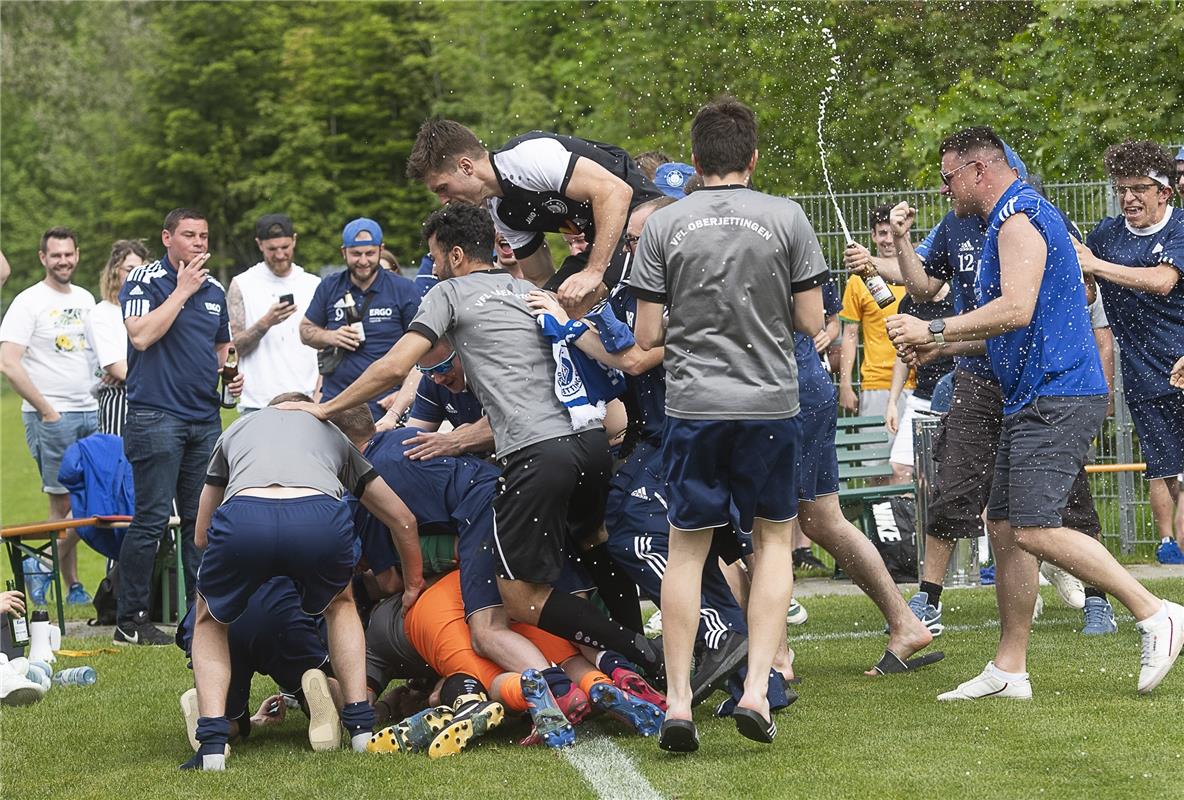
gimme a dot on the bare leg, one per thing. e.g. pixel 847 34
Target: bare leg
pixel 1088 560
pixel 493 639
pixel 681 590
pixel 772 588
pixel 736 574
pixel 347 646
pixel 856 556
pixel 1163 506
pixel 937 559
pixel 901 473
pixel 59 508
pixel 1017 577
pixel 211 662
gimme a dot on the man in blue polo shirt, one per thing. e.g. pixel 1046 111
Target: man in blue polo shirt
pixel 1137 258
pixel 386 301
pixel 176 319
pixel 443 396
pixel 1031 310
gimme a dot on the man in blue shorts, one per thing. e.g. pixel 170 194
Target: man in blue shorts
pixel 1032 312
pixel 739 272
pixel 1137 258
pixel 282 477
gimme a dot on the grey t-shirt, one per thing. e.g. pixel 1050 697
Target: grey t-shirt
pixel 287 448
pixel 508 363
pixel 727 260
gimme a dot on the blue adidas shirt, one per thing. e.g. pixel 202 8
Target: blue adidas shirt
pixel 1149 327
pixel 178 374
pixel 1055 354
pixel 390 304
pixel 435 403
pixel 951 252
pixel 815 387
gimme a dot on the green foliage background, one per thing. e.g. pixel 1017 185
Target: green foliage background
pixel 115 112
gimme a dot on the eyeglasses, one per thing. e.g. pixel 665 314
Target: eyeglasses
pixel 1134 188
pixel 439 369
pixel 945 176
pixel 631 241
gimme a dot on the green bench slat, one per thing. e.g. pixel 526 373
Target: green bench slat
pixel 874 492
pixel 846 423
pixel 864 454
pixel 847 472
pixel 853 439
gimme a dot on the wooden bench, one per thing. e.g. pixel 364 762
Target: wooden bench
pixel 859 440
pixel 17 540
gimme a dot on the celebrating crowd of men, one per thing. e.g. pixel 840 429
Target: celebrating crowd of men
pixel 496 566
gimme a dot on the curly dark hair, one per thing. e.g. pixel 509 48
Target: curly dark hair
pixel 462 225
pixel 437 146
pixel 1131 159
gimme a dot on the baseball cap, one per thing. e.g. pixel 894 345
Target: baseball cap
pixel 1015 162
pixel 1180 155
pixel 273 226
pixel 672 178
pixel 355 229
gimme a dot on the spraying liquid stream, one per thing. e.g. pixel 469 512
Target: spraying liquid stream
pixel 823 100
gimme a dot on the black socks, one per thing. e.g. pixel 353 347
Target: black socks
pixel 580 621
pixel 934 592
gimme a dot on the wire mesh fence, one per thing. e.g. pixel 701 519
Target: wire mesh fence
pixel 1121 497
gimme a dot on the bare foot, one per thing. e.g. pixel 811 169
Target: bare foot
pixel 907 641
pixel 784 664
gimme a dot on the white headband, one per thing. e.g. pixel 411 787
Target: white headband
pixel 1159 178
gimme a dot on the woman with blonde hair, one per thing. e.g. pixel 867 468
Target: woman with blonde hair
pixel 108 337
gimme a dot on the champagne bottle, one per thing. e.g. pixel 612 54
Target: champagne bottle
pixel 229 373
pixel 353 316
pixel 879 289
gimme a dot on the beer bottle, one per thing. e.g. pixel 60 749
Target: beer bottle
pixel 353 316
pixel 229 373
pixel 18 626
pixel 879 289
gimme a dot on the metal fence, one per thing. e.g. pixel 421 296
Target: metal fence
pixel 1121 497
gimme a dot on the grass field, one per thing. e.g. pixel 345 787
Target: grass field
pixel 1086 734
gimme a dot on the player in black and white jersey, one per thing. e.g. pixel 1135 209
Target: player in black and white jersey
pixel 537 183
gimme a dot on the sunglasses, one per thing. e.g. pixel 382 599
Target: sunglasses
pixel 945 176
pixel 631 241
pixel 439 369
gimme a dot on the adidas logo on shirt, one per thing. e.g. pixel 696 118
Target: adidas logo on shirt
pixel 966 247
pixel 136 290
pixel 639 493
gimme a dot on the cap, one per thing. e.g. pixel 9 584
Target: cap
pixel 273 226
pixel 361 231
pixel 672 178
pixel 1180 155
pixel 1015 162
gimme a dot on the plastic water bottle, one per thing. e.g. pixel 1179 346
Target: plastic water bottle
pixel 75 676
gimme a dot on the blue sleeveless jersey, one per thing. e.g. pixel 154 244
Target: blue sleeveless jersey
pixel 1055 354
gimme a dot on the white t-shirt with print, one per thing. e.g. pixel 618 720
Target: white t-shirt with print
pixel 51 325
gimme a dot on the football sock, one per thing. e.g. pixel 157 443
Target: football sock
pixel 1092 592
pixel 580 621
pixel 617 591
pixel 934 592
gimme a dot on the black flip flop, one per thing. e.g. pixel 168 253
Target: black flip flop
pixel 678 736
pixel 752 725
pixel 891 664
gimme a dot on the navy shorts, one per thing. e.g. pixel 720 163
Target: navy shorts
pixel 711 465
pixel 1160 425
pixel 818 461
pixel 253 539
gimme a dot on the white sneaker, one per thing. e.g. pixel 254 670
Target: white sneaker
pixel 190 713
pixel 1069 589
pixel 653 625
pixel 1161 645
pixel 985 684
pixel 1038 609
pixel 324 724
pixel 797 613
pixel 16 689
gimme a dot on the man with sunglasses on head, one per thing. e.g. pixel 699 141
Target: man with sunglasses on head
pixel 443 396
pixel 1032 313
pixel 1137 258
pixel 969 436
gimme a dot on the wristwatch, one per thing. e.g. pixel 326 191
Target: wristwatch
pixel 937 330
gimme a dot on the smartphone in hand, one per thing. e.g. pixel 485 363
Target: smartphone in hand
pixel 289 299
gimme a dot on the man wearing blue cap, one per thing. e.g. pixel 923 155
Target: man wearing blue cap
pixel 673 178
pixel 969 437
pixel 385 301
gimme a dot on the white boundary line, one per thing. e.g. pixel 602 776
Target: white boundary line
pixel 609 770
pixel 982 626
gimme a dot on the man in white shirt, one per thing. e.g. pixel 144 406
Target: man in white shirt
pixel 45 356
pixel 263 304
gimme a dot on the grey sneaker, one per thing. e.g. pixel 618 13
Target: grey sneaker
pixel 927 613
pixel 1099 617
